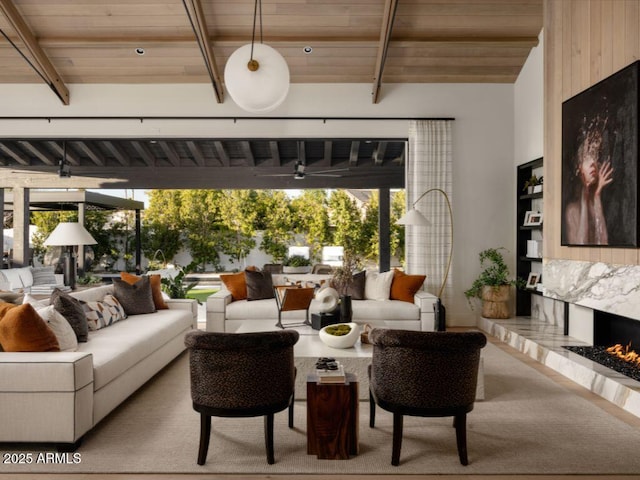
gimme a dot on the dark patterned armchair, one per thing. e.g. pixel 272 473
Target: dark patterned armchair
pixel 241 375
pixel 426 374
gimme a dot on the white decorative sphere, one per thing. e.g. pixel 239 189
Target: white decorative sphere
pixel 261 90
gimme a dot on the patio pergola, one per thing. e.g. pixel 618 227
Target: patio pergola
pixel 59 200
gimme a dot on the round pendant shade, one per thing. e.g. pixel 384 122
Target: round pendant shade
pixel 257 91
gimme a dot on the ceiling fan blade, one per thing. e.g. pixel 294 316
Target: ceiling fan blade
pixel 322 175
pixel 274 174
pixel 333 170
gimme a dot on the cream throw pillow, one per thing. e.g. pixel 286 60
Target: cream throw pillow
pixel 377 286
pixel 64 333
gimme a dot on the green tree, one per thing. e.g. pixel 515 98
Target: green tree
pixel 162 225
pixel 238 214
pixel 200 220
pixel 346 220
pixel 275 217
pixel 370 232
pixel 312 219
pixel 398 208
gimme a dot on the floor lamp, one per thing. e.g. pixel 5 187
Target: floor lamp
pixel 69 235
pixel 415 218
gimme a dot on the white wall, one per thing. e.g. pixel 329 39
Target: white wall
pixel 528 108
pixel 483 132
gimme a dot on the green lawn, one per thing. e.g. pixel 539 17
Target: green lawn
pixel 201 294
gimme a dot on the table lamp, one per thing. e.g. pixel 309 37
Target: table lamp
pixel 69 235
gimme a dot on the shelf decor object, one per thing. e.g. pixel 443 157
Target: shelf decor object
pixel 529 232
pixel 256 75
pixel 69 235
pixel 415 218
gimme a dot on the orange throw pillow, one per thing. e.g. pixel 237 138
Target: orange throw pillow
pixel 156 288
pixel 404 287
pixel 23 330
pixel 236 284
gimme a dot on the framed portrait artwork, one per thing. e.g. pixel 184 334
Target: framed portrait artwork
pixel 600 163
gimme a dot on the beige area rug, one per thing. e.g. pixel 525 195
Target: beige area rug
pixel 527 424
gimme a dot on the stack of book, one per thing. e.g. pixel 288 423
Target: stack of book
pixel 331 376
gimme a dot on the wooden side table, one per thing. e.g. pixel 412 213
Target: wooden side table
pixel 332 418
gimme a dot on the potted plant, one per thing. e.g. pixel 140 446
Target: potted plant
pixel 175 286
pixel 533 185
pixel 296 264
pixel 493 285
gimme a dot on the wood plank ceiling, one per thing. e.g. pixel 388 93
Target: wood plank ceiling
pixel 372 42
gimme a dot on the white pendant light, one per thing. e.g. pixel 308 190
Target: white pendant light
pixel 256 75
pixel 261 90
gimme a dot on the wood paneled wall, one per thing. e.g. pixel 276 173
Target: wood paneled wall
pixel 585 41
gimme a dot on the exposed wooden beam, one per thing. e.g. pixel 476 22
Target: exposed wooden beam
pixel 248 154
pixel 353 155
pixel 15 154
pixel 171 153
pixel 200 30
pixel 328 152
pixel 41 64
pixel 378 153
pixel 196 153
pixel 118 153
pixel 222 153
pixel 144 152
pixel 302 152
pixel 44 157
pixel 95 156
pixel 275 154
pixel 69 155
pixel 114 176
pixel 383 45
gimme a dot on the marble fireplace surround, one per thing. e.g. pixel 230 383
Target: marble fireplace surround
pixel 585 287
pixel 588 286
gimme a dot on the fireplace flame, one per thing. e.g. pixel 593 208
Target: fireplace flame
pixel 625 353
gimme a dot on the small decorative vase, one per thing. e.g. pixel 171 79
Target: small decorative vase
pixel 345 308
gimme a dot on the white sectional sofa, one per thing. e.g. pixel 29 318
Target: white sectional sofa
pixel 226 315
pixel 56 397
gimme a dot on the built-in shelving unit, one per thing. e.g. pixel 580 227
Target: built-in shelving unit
pixel 529 234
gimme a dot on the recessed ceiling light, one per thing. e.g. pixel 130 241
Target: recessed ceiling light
pixel 307 50
pixel 140 51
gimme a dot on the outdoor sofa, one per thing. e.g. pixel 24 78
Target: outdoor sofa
pixel 224 314
pixel 36 280
pixel 58 396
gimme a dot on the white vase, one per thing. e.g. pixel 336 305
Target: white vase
pixel 342 341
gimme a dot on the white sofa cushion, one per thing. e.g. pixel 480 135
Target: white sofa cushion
pixel 25 276
pixel 12 278
pixel 61 328
pixel 43 275
pixel 123 344
pixel 364 310
pixel 377 286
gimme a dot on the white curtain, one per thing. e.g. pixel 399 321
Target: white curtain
pixel 429 166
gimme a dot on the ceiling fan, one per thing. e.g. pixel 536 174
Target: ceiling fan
pixel 299 172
